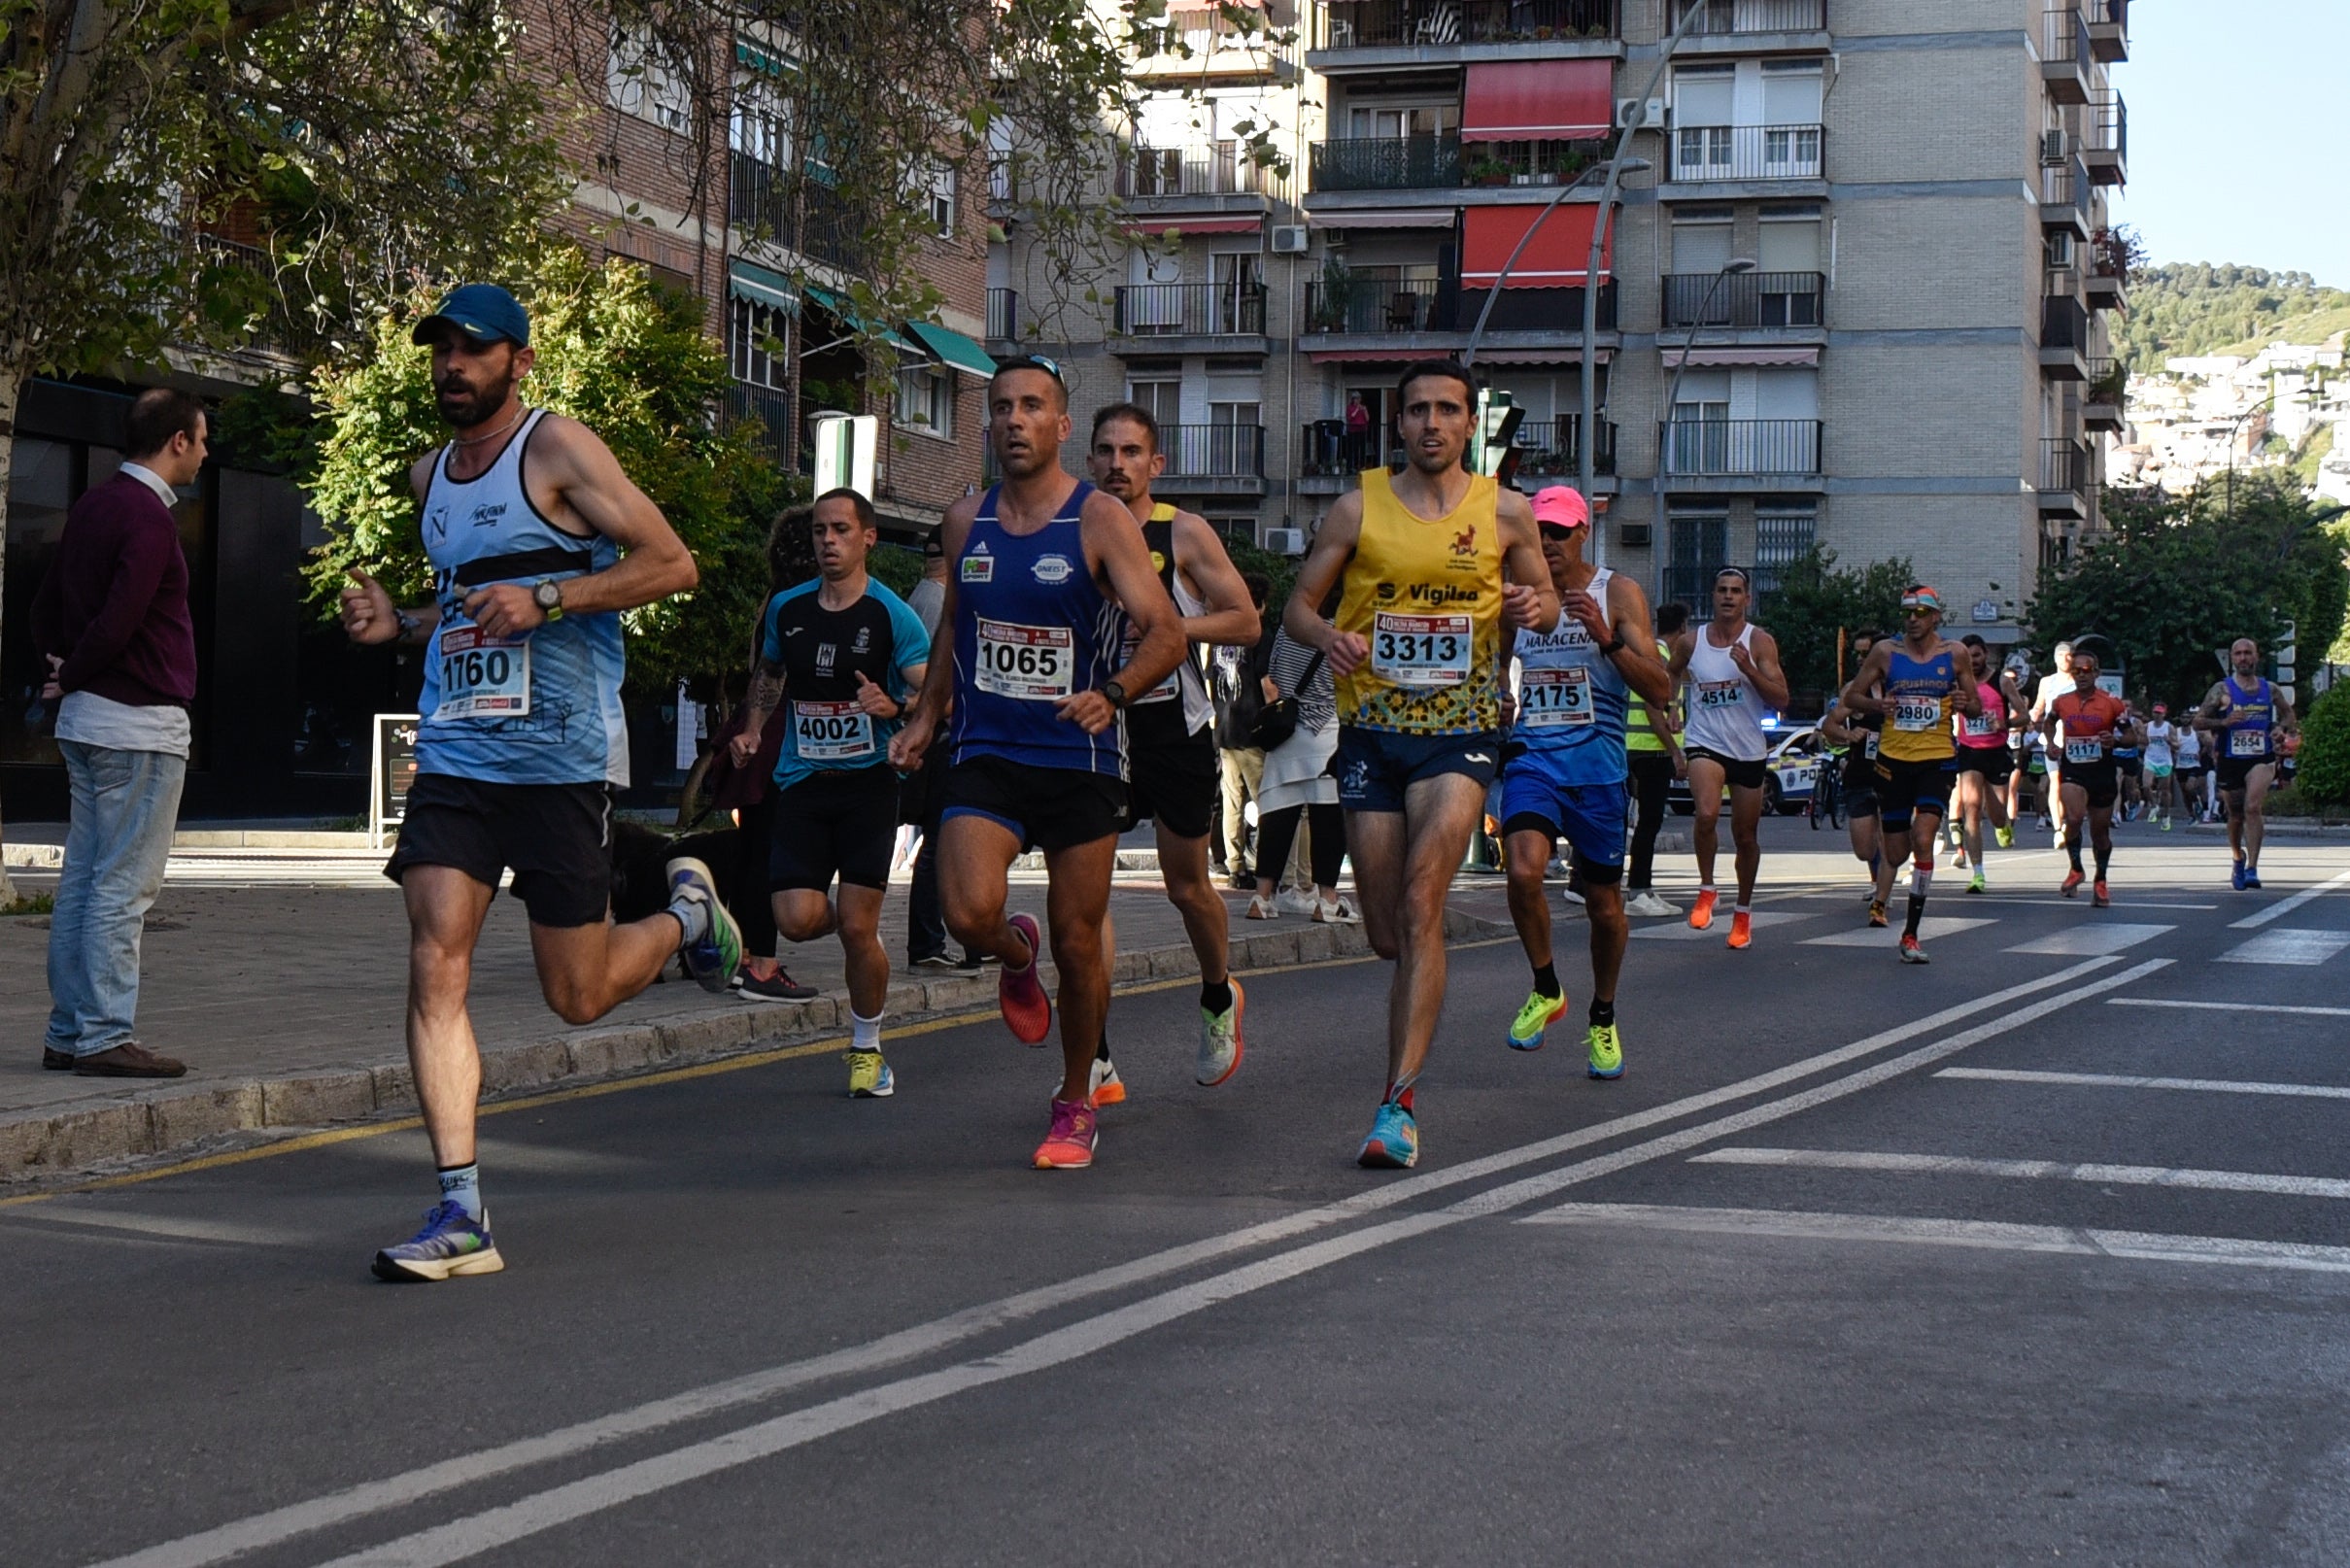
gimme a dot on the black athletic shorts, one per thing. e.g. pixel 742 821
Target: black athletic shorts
pixel 1735 771
pixel 2101 780
pixel 556 837
pixel 1174 782
pixel 2236 772
pixel 1992 762
pixel 1048 809
pixel 1907 788
pixel 2130 766
pixel 842 824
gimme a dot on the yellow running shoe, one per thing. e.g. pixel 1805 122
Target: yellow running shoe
pixel 869 1077
pixel 1607 1052
pixel 2006 836
pixel 1538 1014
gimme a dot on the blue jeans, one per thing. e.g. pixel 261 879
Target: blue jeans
pixel 125 805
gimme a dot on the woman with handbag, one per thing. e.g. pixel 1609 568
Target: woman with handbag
pixel 1298 727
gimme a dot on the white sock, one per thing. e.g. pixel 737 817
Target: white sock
pixel 865 1034
pixel 694 914
pixel 462 1185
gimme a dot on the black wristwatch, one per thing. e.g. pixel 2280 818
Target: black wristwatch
pixel 1616 644
pixel 548 596
pixel 1117 695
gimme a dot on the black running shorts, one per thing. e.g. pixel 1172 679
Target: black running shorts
pixel 840 824
pixel 557 838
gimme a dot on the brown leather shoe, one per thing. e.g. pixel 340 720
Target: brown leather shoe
pixel 54 1060
pixel 128 1060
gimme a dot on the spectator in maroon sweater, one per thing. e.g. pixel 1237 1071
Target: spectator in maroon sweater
pixel 112 620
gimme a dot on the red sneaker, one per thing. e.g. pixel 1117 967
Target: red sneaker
pixel 1742 929
pixel 2070 885
pixel 2098 896
pixel 1028 1013
pixel 1701 913
pixel 1911 952
pixel 1069 1144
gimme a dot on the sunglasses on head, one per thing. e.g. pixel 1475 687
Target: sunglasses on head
pixel 1034 361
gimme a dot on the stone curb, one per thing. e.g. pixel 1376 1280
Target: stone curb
pixel 39 1143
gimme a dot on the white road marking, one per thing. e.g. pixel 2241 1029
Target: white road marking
pixel 1679 929
pixel 2303 948
pixel 277 1525
pixel 2101 936
pixel 2113 1080
pixel 2227 1007
pixel 2120 1176
pixel 2285 906
pixel 68 1213
pixel 1933 928
pixel 486 1531
pixel 2074 903
pixel 1975 1233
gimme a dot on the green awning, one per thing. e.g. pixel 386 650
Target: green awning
pixel 848 315
pixel 750 55
pixel 747 279
pixel 954 348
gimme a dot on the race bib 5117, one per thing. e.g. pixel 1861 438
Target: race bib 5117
pixel 2091 750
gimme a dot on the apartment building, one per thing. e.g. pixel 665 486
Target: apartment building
pixel 1857 298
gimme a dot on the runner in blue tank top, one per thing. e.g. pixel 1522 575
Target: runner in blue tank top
pixel 2244 716
pixel 525 516
pixel 1565 771
pixel 1027 655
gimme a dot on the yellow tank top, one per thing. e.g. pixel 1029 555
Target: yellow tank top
pixel 1637 736
pixel 1427 596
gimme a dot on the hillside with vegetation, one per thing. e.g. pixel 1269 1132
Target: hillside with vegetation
pixel 2194 307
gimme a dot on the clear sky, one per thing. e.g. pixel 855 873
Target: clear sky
pixel 2240 141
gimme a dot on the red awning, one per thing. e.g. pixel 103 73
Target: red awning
pixel 1196 226
pixel 1741 355
pixel 1554 259
pixel 1518 356
pixel 1538 100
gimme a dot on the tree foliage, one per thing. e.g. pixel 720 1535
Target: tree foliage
pixel 2323 766
pixel 1815 602
pixel 2190 308
pixel 2177 578
pixel 629 359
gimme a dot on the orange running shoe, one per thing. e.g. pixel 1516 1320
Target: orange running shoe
pixel 1701 913
pixel 1028 1013
pixel 1069 1144
pixel 2070 885
pixel 1876 912
pixel 1742 929
pixel 2098 896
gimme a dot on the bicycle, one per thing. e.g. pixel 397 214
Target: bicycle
pixel 1827 793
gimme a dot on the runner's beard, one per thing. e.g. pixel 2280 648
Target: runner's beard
pixel 466 409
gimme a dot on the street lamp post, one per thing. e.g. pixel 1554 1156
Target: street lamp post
pixel 1672 397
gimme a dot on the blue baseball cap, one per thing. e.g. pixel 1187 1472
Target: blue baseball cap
pixel 483 312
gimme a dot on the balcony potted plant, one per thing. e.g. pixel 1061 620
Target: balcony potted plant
pixel 1489 170
pixel 1335 298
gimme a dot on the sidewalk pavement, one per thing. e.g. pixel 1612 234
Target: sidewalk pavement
pixel 288 1004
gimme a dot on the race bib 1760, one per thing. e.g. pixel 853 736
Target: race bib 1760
pixel 1420 650
pixel 832 733
pixel 482 676
pixel 1555 698
pixel 1029 663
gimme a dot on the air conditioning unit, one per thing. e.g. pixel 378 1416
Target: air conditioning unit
pixel 1289 239
pixel 1632 536
pixel 1286 541
pixel 1632 112
pixel 2054 147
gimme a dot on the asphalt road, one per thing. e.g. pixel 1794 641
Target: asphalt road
pixel 2016 1257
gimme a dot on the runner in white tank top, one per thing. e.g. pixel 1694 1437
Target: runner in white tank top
pixel 1729 670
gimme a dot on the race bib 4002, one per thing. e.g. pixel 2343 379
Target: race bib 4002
pixel 1420 650
pixel 482 676
pixel 1029 663
pixel 831 732
pixel 1555 698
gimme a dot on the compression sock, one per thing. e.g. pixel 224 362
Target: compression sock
pixel 1102 1051
pixel 1216 998
pixel 462 1185
pixel 2072 852
pixel 1602 1013
pixel 2104 859
pixel 1921 878
pixel 865 1034
pixel 1545 981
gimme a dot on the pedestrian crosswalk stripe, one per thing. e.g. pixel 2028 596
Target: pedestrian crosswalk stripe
pixel 1680 930
pixel 2091 940
pixel 2285 906
pixel 2116 1080
pixel 2228 1006
pixel 1931 929
pixel 2306 948
pixel 2120 1176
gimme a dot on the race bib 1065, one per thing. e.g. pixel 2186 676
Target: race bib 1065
pixel 1420 650
pixel 1029 663
pixel 482 676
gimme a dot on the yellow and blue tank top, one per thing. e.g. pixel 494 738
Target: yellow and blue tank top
pixel 1917 706
pixel 1427 594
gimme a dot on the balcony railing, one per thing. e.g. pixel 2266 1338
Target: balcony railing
pixel 1387 163
pixel 2108 143
pixel 1213 451
pixel 2063 325
pixel 1743 299
pixel 1718 18
pixel 1190 34
pixel 767 408
pixel 2064 37
pixel 2107 379
pixel 1189 310
pixel 2064 465
pixel 1551 449
pixel 2109 257
pixel 250 275
pixel 1371 300
pixel 1407 23
pixel 1748 152
pixel 759 200
pixel 1708 448
pixel 1002 314
pixel 2064 185
pixel 832 230
pixel 1218 170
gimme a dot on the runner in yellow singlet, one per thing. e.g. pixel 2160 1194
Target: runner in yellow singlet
pixel 1430 563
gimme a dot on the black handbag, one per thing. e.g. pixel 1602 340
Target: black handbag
pixel 1276 720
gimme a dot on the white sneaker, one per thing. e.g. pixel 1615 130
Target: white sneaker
pixel 1290 900
pixel 1568 895
pixel 1339 911
pixel 1558 868
pixel 1102 1085
pixel 1220 1044
pixel 1648 904
pixel 1259 909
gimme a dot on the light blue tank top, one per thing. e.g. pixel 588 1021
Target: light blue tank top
pixel 541 708
pixel 1032 627
pixel 1571 700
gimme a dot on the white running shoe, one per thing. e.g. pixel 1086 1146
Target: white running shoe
pixel 1339 911
pixel 1568 895
pixel 1649 905
pixel 1290 900
pixel 1220 1042
pixel 1259 909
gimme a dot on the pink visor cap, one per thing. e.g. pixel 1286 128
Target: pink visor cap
pixel 1561 506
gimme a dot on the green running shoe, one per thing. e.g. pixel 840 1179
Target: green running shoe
pixel 1538 1014
pixel 1975 883
pixel 869 1077
pixel 2006 836
pixel 1607 1052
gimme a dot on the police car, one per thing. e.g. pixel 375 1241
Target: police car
pixel 1797 753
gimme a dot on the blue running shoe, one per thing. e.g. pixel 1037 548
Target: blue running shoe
pixel 713 960
pixel 2235 878
pixel 2251 878
pixel 1395 1140
pixel 451 1242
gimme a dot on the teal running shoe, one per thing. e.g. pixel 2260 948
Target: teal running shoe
pixel 451 1242
pixel 1395 1140
pixel 713 960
